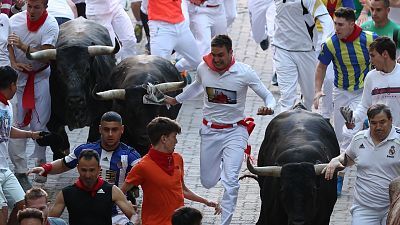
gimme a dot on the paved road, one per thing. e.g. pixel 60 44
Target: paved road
pixel 249 203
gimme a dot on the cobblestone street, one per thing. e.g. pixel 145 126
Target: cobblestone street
pixel 248 207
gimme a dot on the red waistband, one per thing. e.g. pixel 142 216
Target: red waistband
pixel 216 125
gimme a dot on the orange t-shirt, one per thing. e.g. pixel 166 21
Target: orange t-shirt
pixel 166 10
pixel 162 193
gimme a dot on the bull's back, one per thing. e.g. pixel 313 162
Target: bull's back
pixel 82 32
pixel 143 69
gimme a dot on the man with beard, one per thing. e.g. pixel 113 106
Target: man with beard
pixel 117 158
pixel 375 152
pixel 91 199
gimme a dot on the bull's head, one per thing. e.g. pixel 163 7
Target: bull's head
pixel 137 114
pixel 77 70
pixel 299 186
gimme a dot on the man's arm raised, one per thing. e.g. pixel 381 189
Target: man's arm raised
pixel 55 167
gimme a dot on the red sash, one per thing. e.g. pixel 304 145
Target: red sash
pixel 354 35
pixel 33 26
pixel 208 60
pixel 28 98
pixel 93 190
pixel 164 160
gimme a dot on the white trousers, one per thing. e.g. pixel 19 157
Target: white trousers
pixel 205 23
pixel 230 11
pixel 164 37
pixel 262 23
pixel 118 24
pixel 327 88
pixel 343 98
pixel 40 117
pixel 221 157
pixel 295 68
pixel 367 216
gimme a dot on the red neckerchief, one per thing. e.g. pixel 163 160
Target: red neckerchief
pixel 164 160
pixel 93 190
pixel 3 99
pixel 28 97
pixel 208 60
pixel 331 6
pixel 33 26
pixel 353 36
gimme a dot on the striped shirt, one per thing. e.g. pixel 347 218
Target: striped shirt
pixel 350 60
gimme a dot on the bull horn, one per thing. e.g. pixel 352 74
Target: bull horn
pixel 111 94
pixel 170 86
pixel 319 167
pixel 103 50
pixel 274 171
pixel 47 54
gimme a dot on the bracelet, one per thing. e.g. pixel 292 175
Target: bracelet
pixel 47 168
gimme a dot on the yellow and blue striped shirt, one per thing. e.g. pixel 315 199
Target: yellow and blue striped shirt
pixel 350 60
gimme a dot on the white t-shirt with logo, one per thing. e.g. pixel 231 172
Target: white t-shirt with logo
pixel 380 88
pixel 6 117
pixel 294 23
pixel 4 32
pixel 46 35
pixel 377 165
pixel 225 95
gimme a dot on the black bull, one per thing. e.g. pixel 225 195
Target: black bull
pixel 83 63
pixel 292 190
pixel 129 85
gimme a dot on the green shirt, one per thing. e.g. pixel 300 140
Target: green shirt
pixel 387 30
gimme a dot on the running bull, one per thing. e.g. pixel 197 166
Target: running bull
pixel 131 81
pixel 83 63
pixel 296 148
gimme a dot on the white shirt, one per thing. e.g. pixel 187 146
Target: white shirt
pixel 379 87
pixel 6 117
pixel 377 165
pixel 4 32
pixel 295 31
pixel 46 35
pixel 225 95
pixel 96 7
pixel 60 8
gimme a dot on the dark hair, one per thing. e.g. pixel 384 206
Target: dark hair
pixel 346 13
pixel 111 116
pixel 382 44
pixel 35 193
pixel 386 3
pixel 30 213
pixel 161 126
pixel 186 216
pixel 88 154
pixel 222 40
pixel 374 110
pixel 7 76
